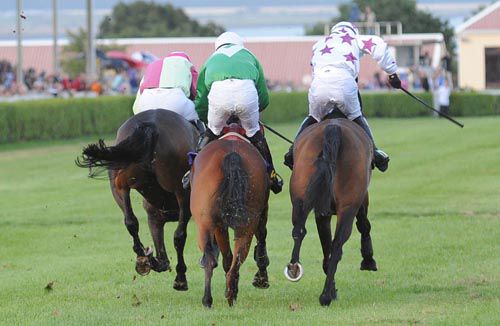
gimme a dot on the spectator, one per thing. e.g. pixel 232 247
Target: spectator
pixel 354 13
pixel 442 92
pixel 370 19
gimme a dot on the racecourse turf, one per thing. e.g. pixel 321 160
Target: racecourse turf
pixel 66 257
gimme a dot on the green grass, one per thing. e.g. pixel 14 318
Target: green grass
pixel 435 228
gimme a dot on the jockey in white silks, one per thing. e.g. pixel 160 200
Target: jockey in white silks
pixel 335 64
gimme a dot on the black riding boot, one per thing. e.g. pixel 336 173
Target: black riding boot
pixel 206 137
pixel 289 156
pixel 260 143
pixel 381 159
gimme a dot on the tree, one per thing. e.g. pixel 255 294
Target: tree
pixel 405 11
pixel 74 53
pixel 148 19
pixel 73 62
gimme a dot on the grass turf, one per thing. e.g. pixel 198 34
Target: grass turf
pixel 435 227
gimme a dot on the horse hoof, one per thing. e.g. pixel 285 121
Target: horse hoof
pixel 260 283
pixel 142 265
pixel 368 265
pixel 294 272
pixel 162 266
pixel 261 280
pixel 180 285
pixel 325 300
pixel 207 302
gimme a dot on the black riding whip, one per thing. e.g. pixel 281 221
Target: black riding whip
pixel 430 107
pixel 276 133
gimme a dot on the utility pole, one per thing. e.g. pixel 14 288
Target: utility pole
pixel 19 29
pixel 55 49
pixel 91 66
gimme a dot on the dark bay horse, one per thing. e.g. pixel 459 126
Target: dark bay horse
pixel 229 189
pixel 331 175
pixel 150 156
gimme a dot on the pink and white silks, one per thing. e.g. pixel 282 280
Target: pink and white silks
pixel 169 83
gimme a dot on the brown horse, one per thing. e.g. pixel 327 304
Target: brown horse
pixel 229 189
pixel 150 156
pixel 331 175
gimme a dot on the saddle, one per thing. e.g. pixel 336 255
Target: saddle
pixel 335 113
pixel 234 131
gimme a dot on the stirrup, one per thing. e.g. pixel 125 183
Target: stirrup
pixel 381 160
pixel 276 182
pixel 186 184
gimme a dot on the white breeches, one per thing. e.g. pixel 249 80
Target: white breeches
pixel 333 86
pixel 233 97
pixel 172 99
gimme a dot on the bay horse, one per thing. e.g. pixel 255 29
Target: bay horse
pixel 150 156
pixel 331 175
pixel 230 189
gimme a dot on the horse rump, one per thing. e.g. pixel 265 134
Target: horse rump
pixel 319 194
pixel 136 148
pixel 232 191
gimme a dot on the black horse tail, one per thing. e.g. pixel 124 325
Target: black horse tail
pixel 136 148
pixel 319 193
pixel 232 191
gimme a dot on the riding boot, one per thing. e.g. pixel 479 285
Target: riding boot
pixel 381 159
pixel 289 156
pixel 260 143
pixel 205 138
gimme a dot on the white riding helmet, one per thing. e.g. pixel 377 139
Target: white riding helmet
pixel 228 38
pixel 346 25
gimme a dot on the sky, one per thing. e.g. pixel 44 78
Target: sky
pixel 249 18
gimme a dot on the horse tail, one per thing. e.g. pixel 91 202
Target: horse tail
pixel 136 148
pixel 319 193
pixel 232 191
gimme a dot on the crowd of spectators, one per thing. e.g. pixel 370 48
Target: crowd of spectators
pixel 40 84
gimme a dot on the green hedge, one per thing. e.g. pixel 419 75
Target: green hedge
pixel 62 118
pixel 70 118
pixel 291 106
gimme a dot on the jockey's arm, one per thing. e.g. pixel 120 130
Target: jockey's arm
pixel 194 80
pixel 262 88
pixel 201 101
pixel 134 106
pixel 379 50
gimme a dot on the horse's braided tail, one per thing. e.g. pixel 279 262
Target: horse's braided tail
pixel 233 190
pixel 137 148
pixel 319 193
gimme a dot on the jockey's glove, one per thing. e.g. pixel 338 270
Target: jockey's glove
pixel 394 81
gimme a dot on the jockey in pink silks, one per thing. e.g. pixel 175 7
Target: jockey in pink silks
pixel 170 83
pixel 335 64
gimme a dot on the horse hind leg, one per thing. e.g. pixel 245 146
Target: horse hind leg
pixel 121 194
pixel 345 219
pixel 209 252
pixel 364 227
pixel 323 224
pixel 241 248
pixel 156 222
pixel 294 270
pixel 261 279
pixel 180 235
pixel 222 239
